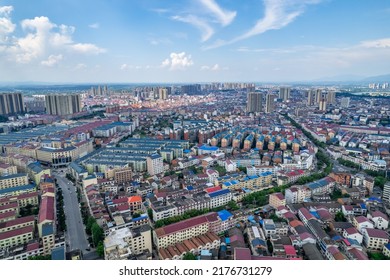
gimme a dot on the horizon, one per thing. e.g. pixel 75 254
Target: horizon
pixel 280 41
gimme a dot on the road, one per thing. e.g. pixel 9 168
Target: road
pixel 75 233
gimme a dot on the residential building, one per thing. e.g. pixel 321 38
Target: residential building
pixel 11 103
pixel 276 200
pixel 122 243
pixel 63 104
pixel 380 220
pixel 254 102
pixel 155 164
pixel 375 239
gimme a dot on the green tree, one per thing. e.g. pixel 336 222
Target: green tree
pixel 150 214
pixel 232 205
pixel 380 182
pixel 88 227
pixel 189 256
pixel 339 217
pixel 100 249
pixel 97 234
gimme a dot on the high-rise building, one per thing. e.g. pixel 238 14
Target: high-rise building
pixel 11 103
pixel 331 97
pixel 345 102
pixel 284 93
pixel 63 104
pixel 318 96
pixel 386 192
pixel 163 93
pixel 311 97
pixel 322 105
pixel 270 103
pixel 255 102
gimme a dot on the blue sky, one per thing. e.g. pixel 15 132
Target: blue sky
pixel 192 40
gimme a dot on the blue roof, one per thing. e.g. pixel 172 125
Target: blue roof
pixel 10 176
pixel 251 218
pixel 218 193
pixel 187 151
pixel 35 167
pixel 139 218
pixel 58 254
pixel 190 188
pixel 387 246
pixel 258 242
pixel 227 240
pixel 337 237
pixel 208 148
pixel 224 215
pixel 47 229
pixel 30 187
pixel 315 214
pixel 363 206
pixel 373 198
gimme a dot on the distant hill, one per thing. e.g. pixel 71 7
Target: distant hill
pixel 381 78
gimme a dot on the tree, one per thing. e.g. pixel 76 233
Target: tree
pixel 380 182
pixel 97 234
pixel 189 256
pixel 100 249
pixel 88 227
pixel 232 205
pixel 150 214
pixel 340 217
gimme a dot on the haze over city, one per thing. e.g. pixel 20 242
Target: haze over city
pixel 192 41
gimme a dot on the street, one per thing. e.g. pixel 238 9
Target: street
pixel 75 233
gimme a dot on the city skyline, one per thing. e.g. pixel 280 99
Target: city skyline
pixel 192 41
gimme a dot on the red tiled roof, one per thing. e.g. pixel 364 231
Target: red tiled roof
pixel 120 200
pixel 7 215
pixel 361 219
pixel 351 230
pixel 189 223
pixel 290 250
pixel 377 233
pixel 122 207
pixel 11 205
pixel 280 196
pixel 377 214
pixel 46 209
pixel 17 221
pixel 242 254
pixel 164 253
pixel 32 246
pixel 213 189
pixel 16 232
pixel 132 199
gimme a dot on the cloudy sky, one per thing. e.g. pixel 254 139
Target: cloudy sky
pixel 192 40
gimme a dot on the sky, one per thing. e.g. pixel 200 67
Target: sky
pixel 180 41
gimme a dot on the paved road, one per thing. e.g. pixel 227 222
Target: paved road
pixel 75 233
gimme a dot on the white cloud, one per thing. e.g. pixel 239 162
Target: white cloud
pixel 223 16
pixel 42 38
pixel 277 14
pixel 178 61
pixel 380 43
pixel 52 60
pixel 6 25
pixel 206 30
pixel 87 48
pixel 125 66
pixel 95 25
pixel 215 67
pixel 80 66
